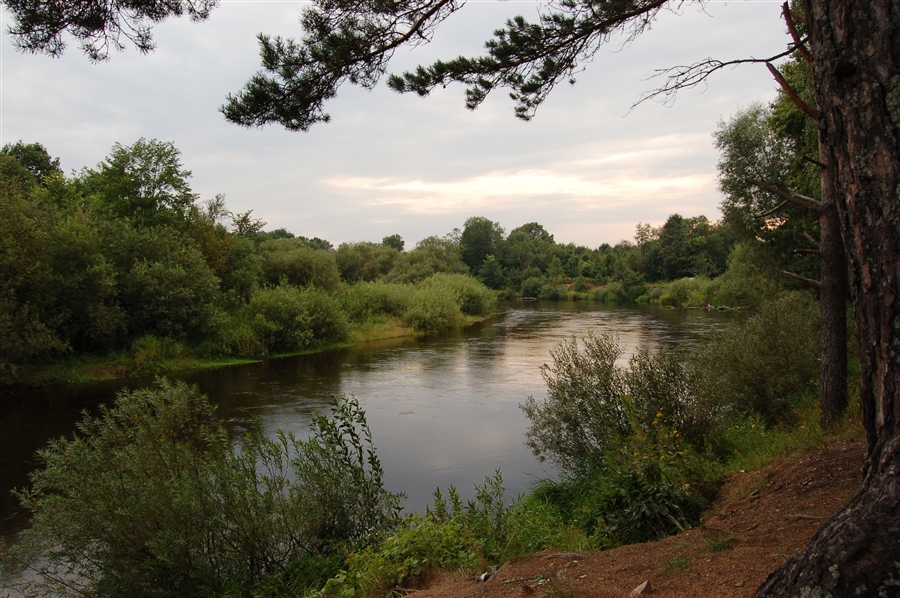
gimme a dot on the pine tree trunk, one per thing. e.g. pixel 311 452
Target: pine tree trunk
pixel 833 293
pixel 856 55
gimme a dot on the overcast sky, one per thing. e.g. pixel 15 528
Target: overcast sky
pixel 584 167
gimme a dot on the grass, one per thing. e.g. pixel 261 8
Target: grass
pixel 82 368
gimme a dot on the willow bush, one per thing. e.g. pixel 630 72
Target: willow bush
pixel 152 499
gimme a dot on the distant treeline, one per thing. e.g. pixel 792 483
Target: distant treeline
pixel 124 257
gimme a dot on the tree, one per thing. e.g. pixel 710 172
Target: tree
pixel 35 158
pixel 480 238
pixel 395 241
pixel 144 183
pixel 97 25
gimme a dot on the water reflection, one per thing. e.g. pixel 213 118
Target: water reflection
pixel 443 410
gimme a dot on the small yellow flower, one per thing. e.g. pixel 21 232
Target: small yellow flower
pixel 637 454
pixel 661 457
pixel 655 422
pixel 753 426
pixel 659 415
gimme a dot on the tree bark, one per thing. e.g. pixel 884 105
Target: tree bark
pixel 833 291
pixel 856 59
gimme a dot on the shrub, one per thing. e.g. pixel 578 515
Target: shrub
pixel 609 293
pixel 151 353
pixel 625 439
pixel 170 297
pixel 150 499
pixel 531 286
pixel 286 318
pixel 686 291
pixel 298 264
pixel 766 363
pixel 472 297
pixel 365 300
pixel 552 292
pixel 430 310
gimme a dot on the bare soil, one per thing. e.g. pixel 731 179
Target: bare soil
pixel 758 521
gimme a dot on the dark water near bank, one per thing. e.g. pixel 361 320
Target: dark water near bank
pixel 443 410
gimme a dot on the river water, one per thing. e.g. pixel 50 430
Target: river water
pixel 442 409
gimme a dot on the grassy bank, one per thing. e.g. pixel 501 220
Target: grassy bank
pixel 162 356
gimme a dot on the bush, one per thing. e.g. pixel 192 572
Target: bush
pixel 686 292
pixel 747 281
pixel 150 499
pixel 552 292
pixel 298 264
pixel 472 297
pixel 171 297
pixel 767 363
pixel 366 300
pixel 474 537
pixel 152 353
pixel 609 293
pixel 531 286
pixel 286 318
pixel 625 439
pixel 430 310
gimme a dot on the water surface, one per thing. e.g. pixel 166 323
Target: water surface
pixel 442 409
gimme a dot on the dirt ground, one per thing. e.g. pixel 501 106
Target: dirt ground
pixel 758 521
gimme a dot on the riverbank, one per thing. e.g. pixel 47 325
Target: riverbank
pixel 760 518
pixel 170 357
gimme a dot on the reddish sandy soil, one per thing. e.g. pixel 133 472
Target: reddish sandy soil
pixel 758 521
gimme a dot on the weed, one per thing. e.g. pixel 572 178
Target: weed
pixel 677 565
pixel 716 543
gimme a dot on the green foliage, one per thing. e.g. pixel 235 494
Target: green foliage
pixel 531 287
pixel 472 297
pixel 430 256
pixel 476 536
pixel 34 158
pixel 626 440
pixel 171 296
pixel 748 280
pixel 480 238
pixel 365 261
pixel 151 499
pixel 366 300
pixel 293 261
pixel 287 318
pixel 144 183
pixel 767 363
pixel 650 486
pixel 431 310
pixel 686 292
pixel 152 353
pixel 394 241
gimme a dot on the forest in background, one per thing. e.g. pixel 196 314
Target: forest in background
pixel 124 258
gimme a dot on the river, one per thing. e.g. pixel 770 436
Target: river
pixel 442 409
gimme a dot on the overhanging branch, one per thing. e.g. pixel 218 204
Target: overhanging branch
pixel 792 93
pixel 792 28
pixel 798 200
pixel 813 283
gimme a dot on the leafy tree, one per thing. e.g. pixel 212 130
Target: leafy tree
pixel 430 256
pixel 365 261
pixel 144 183
pixel 243 224
pixel 35 158
pixel 480 238
pixel 395 241
pixel 294 262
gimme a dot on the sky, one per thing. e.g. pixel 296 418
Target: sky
pixel 587 167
